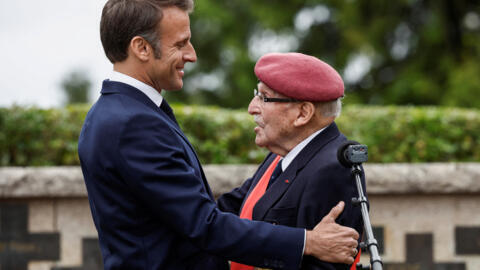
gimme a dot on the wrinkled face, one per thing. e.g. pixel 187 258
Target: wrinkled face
pixel 175 50
pixel 274 120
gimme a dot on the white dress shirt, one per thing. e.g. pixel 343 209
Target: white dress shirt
pixel 151 92
pixel 294 152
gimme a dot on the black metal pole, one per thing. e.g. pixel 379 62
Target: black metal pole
pixel 371 243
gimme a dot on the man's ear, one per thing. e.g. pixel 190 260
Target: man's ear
pixel 306 112
pixel 140 48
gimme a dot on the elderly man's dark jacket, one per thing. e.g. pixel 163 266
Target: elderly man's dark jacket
pixel 305 192
pixel 150 201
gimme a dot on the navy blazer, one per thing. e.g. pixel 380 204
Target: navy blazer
pixel 305 192
pixel 150 201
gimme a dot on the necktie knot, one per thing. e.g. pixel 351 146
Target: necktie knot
pixel 168 110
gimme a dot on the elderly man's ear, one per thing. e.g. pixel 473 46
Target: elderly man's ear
pixel 305 114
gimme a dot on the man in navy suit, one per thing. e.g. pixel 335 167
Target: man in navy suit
pixel 150 201
pixel 297 101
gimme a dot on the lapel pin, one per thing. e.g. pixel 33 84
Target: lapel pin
pixel 287 181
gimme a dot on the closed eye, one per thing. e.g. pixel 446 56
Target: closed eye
pixel 182 43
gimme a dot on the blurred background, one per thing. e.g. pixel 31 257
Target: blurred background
pixel 388 52
pixel 412 75
pixel 414 52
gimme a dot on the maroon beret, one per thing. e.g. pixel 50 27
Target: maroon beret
pixel 299 76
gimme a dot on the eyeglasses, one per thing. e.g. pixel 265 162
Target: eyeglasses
pixel 256 93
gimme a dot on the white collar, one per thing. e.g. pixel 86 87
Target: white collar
pixel 149 91
pixel 294 152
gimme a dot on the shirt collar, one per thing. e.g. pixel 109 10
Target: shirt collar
pixel 149 91
pixel 294 152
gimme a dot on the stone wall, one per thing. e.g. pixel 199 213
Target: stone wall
pixel 425 216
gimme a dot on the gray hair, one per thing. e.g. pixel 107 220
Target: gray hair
pixel 331 108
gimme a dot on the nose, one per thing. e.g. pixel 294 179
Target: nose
pixel 253 107
pixel 190 55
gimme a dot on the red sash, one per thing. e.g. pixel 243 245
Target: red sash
pixel 357 260
pixel 252 199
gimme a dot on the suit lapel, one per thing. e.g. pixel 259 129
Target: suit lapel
pixel 289 176
pixel 110 87
pixel 258 174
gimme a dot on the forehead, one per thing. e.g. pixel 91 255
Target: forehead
pixel 175 24
pixel 267 90
pixel 264 88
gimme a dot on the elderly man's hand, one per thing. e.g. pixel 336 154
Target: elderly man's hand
pixel 331 242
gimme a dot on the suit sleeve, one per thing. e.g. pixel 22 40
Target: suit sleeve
pixel 232 201
pixel 154 164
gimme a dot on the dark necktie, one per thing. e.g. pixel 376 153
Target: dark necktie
pixel 276 173
pixel 168 110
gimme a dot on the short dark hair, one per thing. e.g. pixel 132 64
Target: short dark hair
pixel 124 19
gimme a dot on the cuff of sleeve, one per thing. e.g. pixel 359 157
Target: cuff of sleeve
pixel 304 242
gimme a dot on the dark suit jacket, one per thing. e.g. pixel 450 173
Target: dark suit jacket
pixel 305 192
pixel 150 201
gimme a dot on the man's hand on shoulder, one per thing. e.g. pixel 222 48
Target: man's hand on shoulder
pixel 331 242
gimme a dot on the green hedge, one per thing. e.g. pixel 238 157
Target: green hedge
pixel 414 134
pixel 43 137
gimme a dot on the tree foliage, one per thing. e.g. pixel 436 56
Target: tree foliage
pixel 418 52
pixel 76 86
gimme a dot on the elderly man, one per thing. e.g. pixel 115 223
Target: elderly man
pixel 297 101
